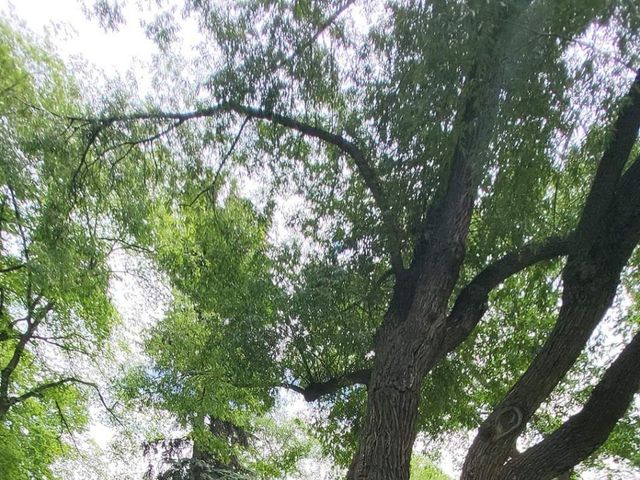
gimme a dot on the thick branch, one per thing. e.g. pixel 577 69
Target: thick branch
pixel 590 279
pixel 616 154
pixel 472 300
pixel 628 195
pixel 585 432
pixel 315 390
pixel 449 217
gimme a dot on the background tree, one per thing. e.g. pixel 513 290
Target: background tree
pixel 451 160
pixel 55 238
pixel 222 319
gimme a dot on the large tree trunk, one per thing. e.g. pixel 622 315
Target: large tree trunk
pixel 402 359
pixel 390 426
pixel 412 337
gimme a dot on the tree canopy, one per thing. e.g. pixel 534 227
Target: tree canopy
pixel 55 312
pixel 420 217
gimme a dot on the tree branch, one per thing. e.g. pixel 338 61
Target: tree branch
pixel 326 24
pixel 586 431
pixel 315 390
pixel 448 218
pixel 12 268
pixel 6 372
pixel 628 193
pixel 616 154
pixel 368 175
pixel 222 164
pixel 23 234
pixel 66 425
pixel 471 302
pixel 361 161
pixel 607 236
pixel 39 390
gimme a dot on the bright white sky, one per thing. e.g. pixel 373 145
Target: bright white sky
pixel 66 25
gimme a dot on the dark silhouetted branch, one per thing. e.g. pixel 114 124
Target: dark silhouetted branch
pixel 472 300
pixel 316 390
pixel 586 431
pixel 623 136
pixel 362 163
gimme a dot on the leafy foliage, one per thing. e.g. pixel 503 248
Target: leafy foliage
pixel 423 469
pixel 251 313
pixel 55 312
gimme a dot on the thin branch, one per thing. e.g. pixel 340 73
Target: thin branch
pixel 67 348
pixel 222 164
pixel 12 268
pixel 326 24
pixel 4 91
pixel 96 128
pixel 66 425
pixel 23 235
pixel 39 390
pixel 128 245
pixel 144 140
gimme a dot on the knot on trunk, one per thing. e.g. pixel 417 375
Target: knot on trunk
pixel 507 420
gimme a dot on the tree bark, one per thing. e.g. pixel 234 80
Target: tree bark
pixel 607 233
pixel 412 337
pixel 583 433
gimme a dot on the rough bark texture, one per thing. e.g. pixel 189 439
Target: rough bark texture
pixel 583 433
pixel 411 338
pixel 607 233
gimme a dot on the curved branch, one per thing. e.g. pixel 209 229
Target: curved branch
pixel 315 390
pixel 40 389
pixel 586 431
pixel 366 171
pixel 607 233
pixel 361 161
pixel 471 303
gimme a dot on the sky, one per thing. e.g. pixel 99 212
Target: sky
pixel 65 24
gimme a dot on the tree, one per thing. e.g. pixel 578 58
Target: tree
pixel 216 261
pixel 453 159
pixel 55 312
